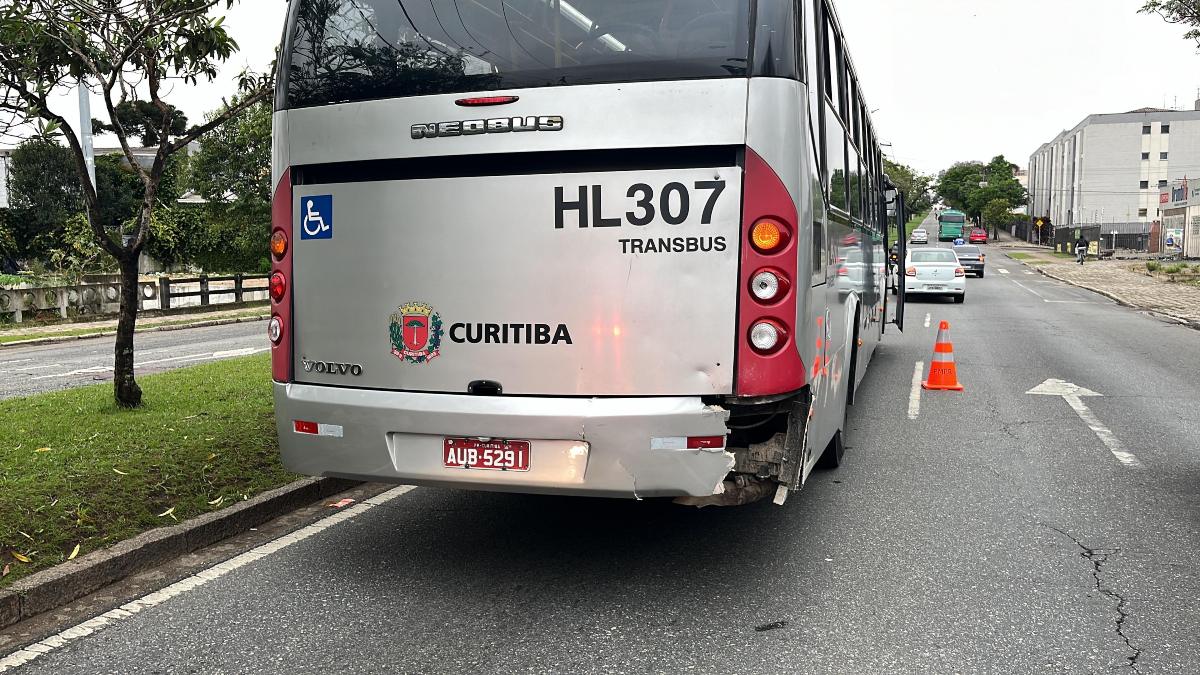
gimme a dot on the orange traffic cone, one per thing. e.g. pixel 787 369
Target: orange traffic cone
pixel 943 374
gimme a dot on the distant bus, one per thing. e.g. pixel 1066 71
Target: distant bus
pixel 951 225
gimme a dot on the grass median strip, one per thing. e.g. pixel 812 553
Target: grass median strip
pixel 78 474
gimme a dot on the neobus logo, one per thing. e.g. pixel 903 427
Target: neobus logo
pixel 500 125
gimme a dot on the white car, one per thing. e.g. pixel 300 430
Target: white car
pixel 934 271
pixel 919 236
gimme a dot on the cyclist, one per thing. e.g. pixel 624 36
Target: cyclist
pixel 1081 248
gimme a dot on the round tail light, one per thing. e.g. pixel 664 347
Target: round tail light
pixel 769 285
pixel 767 336
pixel 275 330
pixel 279 244
pixel 278 286
pixel 769 235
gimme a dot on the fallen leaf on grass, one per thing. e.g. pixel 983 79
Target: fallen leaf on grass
pixel 74 552
pixel 23 558
pixel 5 572
pixel 25 535
pixel 42 450
pixel 211 457
pixel 116 470
pixel 167 512
pixel 217 501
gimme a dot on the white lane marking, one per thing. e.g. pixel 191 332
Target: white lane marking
pixel 25 369
pixel 187 357
pixel 928 318
pixel 82 371
pixel 1053 302
pixel 914 396
pixel 245 351
pixel 32 652
pixel 1028 271
pixel 6 363
pixel 1002 270
pixel 1074 394
pixel 1029 289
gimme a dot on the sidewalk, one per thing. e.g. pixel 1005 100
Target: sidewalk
pixel 74 330
pixel 1117 279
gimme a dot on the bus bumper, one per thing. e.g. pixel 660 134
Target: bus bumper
pixel 600 447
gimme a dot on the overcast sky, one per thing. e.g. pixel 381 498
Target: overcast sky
pixel 952 79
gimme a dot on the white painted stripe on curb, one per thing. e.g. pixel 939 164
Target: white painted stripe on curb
pixel 914 397
pixel 23 656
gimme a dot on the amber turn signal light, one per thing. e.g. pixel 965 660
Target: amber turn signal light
pixel 768 235
pixel 279 244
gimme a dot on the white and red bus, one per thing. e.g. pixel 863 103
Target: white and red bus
pixel 625 248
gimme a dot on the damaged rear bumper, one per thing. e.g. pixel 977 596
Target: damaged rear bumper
pixel 602 447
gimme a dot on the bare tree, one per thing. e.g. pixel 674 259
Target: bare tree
pixel 129 52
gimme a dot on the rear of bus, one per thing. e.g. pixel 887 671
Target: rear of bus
pixel 514 241
pixel 951 225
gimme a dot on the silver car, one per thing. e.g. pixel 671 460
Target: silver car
pixel 919 236
pixel 934 271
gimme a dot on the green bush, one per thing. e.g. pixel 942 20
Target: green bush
pixel 1173 269
pixel 1152 266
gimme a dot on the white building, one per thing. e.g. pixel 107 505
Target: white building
pixel 1110 169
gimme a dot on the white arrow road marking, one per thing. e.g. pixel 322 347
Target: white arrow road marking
pixel 914 397
pixel 99 623
pixel 1002 270
pixel 1074 394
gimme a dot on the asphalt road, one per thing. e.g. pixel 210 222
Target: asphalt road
pixel 987 531
pixel 32 370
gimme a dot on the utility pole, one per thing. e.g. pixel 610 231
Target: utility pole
pixel 85 131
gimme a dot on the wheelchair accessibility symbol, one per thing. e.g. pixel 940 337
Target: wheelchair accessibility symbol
pixel 317 219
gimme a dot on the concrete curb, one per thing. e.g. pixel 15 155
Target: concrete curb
pixel 59 585
pixel 148 329
pixel 1113 296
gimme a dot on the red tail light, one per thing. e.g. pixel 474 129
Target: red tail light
pixel 960 272
pixel 910 272
pixel 278 286
pixel 768 361
pixel 281 270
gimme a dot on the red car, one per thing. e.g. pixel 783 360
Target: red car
pixel 978 236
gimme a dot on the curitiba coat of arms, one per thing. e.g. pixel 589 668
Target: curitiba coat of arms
pixel 416 332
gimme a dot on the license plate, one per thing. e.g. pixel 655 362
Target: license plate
pixel 934 287
pixel 491 455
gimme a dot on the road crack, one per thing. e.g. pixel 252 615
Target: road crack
pixel 1098 557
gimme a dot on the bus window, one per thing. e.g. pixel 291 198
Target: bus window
pixel 835 159
pixel 354 50
pixel 833 68
pixel 854 184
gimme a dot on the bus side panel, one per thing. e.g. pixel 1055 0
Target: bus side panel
pixel 777 128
